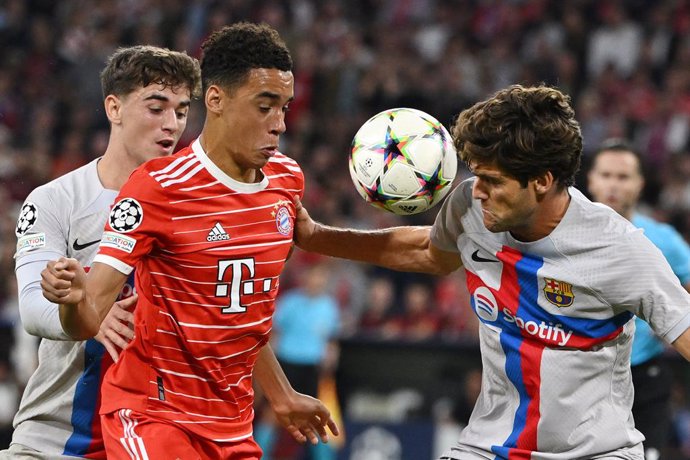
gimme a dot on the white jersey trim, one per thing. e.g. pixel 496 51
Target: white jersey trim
pixel 115 263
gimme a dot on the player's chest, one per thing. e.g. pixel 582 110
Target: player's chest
pixel 84 235
pixel 230 225
pixel 512 279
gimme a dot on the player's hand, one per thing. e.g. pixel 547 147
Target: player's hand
pixel 63 281
pixel 117 329
pixel 304 224
pixel 306 419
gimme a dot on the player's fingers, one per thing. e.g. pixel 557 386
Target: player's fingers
pixel 116 327
pixel 119 338
pixel 333 427
pixel 320 428
pixel 298 204
pixel 319 423
pixel 125 304
pixel 62 263
pixel 296 434
pixel 123 316
pixel 53 293
pixel 67 263
pixel 112 350
pixel 310 434
pixel 53 279
pixel 65 275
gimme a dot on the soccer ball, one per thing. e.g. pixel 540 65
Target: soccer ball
pixel 403 160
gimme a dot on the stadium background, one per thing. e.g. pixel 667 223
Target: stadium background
pixel 407 368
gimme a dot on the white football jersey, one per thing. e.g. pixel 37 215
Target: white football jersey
pixel 58 413
pixel 555 329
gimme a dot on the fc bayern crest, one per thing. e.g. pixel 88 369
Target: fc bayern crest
pixel 126 215
pixel 283 222
pixel 27 218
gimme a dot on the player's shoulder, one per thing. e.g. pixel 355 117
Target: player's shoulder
pixel 68 186
pixel 598 217
pixel 595 229
pixel 462 193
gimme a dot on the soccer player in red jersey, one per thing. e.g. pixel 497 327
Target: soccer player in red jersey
pixel 209 230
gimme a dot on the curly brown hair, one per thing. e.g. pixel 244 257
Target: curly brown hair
pixel 139 66
pixel 524 131
pixel 231 52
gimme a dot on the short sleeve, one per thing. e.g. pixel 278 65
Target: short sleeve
pixel 448 226
pixel 650 290
pixel 134 224
pixel 40 229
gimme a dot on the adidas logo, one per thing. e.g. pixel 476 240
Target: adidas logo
pixel 408 208
pixel 217 233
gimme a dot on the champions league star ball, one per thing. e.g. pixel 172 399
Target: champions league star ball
pixel 403 160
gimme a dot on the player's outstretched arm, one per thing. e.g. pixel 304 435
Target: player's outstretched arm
pixel 83 300
pixel 682 344
pixel 304 417
pixel 406 249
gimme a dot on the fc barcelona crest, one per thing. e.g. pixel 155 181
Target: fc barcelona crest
pixel 558 292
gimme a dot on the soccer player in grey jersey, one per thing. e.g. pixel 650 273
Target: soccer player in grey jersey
pixel 554 279
pixel 147 93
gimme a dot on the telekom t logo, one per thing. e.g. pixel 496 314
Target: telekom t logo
pixel 236 280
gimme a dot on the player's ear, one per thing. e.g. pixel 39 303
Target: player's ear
pixel 214 98
pixel 544 182
pixel 113 108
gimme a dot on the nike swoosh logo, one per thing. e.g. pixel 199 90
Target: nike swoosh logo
pixel 477 258
pixel 79 247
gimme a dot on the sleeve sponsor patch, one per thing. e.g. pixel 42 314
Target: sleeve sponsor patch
pixel 27 219
pixel 117 241
pixel 126 215
pixel 29 242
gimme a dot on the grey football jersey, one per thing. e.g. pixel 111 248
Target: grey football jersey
pixel 555 329
pixel 58 413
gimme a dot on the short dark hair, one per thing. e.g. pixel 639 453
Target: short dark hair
pixel 619 145
pixel 524 131
pixel 138 66
pixel 230 53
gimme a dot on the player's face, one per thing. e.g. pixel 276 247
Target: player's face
pixel 153 119
pixel 254 117
pixel 506 204
pixel 615 180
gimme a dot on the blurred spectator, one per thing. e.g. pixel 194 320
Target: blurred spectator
pixel 377 308
pixel 680 419
pixel 471 385
pixel 419 319
pixel 305 325
pixel 616 42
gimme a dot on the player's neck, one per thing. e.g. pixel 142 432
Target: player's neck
pixel 217 153
pixel 114 169
pixel 549 214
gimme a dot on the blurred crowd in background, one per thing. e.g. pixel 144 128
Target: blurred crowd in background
pixel 626 65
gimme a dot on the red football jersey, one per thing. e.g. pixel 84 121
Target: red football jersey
pixel 208 251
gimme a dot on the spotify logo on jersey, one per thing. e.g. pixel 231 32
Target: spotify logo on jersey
pixel 485 304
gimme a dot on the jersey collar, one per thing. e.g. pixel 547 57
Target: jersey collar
pixel 215 171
